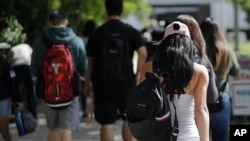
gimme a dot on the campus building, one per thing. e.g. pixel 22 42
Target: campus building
pixel 221 11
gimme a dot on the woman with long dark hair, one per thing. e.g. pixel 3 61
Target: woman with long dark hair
pixel 196 36
pixel 184 80
pixel 224 63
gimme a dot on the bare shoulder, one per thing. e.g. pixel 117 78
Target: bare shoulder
pixel 201 73
pixel 200 69
pixel 200 77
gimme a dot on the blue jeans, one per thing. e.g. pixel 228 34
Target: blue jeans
pixel 220 121
pixel 5 107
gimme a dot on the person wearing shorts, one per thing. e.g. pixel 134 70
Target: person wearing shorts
pixel 110 97
pixel 9 93
pixel 61 122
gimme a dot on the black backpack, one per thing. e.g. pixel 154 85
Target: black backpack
pixel 219 103
pixel 114 62
pixel 214 92
pixel 148 112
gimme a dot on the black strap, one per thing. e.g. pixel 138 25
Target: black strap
pixel 175 128
pixel 222 88
pixel 224 85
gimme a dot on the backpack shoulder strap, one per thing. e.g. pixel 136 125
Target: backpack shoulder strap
pixel 223 86
pixel 175 127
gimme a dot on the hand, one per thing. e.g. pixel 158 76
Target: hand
pixel 88 91
pixel 19 107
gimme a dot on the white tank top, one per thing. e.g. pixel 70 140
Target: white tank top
pixel 185 114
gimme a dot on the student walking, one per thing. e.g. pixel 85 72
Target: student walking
pixel 110 52
pixel 9 93
pixel 224 63
pixel 19 57
pixel 184 80
pixel 196 36
pixel 61 121
pixel 88 29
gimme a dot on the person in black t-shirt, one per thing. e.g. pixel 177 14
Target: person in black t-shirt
pixel 111 97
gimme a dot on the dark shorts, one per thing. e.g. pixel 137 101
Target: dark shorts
pixel 110 102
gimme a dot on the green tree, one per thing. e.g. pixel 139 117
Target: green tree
pixel 79 11
pixel 12 34
pixel 11 30
pixel 245 4
pixel 32 14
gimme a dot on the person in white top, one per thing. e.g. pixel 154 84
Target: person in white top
pixel 19 57
pixel 184 80
pixel 20 54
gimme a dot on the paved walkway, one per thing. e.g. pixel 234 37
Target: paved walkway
pixel 87 133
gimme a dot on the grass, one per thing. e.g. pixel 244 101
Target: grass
pixel 244 48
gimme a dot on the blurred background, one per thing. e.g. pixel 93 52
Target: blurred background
pixel 23 21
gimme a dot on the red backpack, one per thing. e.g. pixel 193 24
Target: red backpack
pixel 57 73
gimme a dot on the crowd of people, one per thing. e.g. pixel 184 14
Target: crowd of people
pixel 200 60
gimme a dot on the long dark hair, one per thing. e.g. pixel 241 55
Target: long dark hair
pixel 217 47
pixel 196 36
pixel 175 59
pixel 195 32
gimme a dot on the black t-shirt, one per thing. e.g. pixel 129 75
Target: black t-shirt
pixel 94 44
pixel 98 37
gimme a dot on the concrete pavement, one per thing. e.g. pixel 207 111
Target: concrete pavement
pixel 87 133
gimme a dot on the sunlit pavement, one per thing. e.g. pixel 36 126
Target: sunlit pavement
pixel 87 133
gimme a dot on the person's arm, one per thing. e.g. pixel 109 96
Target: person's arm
pixel 200 95
pixel 146 68
pixel 142 56
pixel 235 67
pixel 87 84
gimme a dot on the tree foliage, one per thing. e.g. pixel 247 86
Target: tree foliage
pixel 246 7
pixel 12 34
pixel 11 31
pixel 32 14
